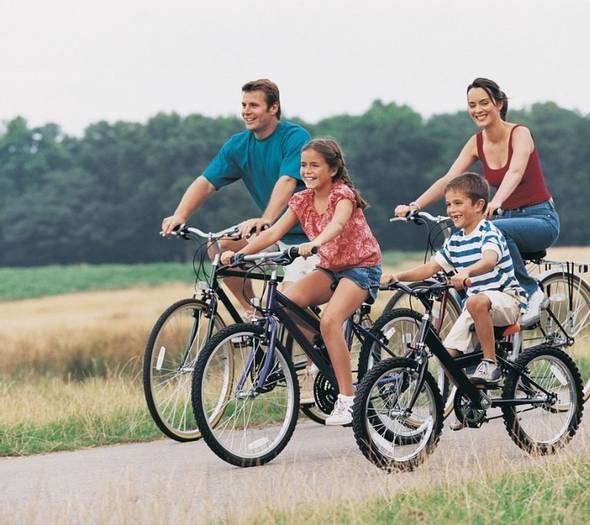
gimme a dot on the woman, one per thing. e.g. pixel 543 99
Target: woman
pixel 511 165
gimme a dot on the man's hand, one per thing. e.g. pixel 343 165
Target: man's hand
pixel 460 280
pixel 226 257
pixel 252 226
pixel 305 249
pixel 388 278
pixel 169 223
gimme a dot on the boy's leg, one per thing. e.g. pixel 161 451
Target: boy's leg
pixel 347 297
pixel 460 338
pixel 479 307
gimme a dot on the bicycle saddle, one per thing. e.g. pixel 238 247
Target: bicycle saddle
pixel 533 256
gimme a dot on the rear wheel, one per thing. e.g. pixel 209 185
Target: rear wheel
pixel 543 428
pixel 569 300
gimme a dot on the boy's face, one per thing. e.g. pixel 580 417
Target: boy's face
pixel 463 212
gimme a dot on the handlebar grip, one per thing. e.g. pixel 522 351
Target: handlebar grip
pixel 294 251
pixel 237 258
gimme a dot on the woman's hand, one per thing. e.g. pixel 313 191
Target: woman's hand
pixel 492 207
pixel 403 210
pixel 388 278
pixel 226 257
pixel 305 249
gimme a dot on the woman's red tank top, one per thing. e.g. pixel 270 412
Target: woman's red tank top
pixel 532 188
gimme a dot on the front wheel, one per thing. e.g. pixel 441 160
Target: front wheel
pixel 254 421
pixel 169 359
pixel 543 428
pixel 383 417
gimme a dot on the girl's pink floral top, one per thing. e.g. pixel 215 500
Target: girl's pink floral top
pixel 354 247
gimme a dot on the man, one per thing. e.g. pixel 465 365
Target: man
pixel 266 156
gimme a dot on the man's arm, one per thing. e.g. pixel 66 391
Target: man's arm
pixel 281 193
pixel 193 197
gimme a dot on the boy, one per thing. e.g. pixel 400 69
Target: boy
pixel 479 255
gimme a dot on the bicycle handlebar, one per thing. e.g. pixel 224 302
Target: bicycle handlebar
pixel 183 231
pixel 415 217
pixel 283 257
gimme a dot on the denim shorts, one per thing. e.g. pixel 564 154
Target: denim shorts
pixel 367 277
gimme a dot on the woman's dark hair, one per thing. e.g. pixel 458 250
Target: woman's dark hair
pixel 494 92
pixel 328 148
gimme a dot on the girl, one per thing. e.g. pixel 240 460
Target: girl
pixel 511 164
pixel 330 213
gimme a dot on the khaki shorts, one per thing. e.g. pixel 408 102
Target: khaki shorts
pixel 504 311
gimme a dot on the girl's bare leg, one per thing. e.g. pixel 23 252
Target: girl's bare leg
pixel 347 297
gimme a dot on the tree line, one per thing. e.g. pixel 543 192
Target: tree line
pixel 101 197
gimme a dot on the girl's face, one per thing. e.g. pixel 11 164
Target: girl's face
pixel 482 109
pixel 315 170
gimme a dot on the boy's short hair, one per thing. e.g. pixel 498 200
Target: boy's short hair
pixel 473 185
pixel 270 90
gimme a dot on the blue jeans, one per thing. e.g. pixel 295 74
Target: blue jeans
pixel 529 229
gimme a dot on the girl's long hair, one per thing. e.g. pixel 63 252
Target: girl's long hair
pixel 328 148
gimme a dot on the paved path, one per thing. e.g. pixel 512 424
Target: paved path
pixel 164 481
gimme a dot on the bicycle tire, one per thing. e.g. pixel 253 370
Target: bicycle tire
pixel 576 320
pixel 160 346
pixel 516 418
pixel 277 415
pixel 375 442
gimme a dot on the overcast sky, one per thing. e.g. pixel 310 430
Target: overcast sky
pixel 77 62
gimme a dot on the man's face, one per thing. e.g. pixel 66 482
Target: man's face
pixel 257 116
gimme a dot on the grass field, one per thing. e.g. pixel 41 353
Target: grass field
pixel 67 358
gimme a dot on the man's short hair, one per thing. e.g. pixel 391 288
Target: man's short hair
pixel 473 185
pixel 270 90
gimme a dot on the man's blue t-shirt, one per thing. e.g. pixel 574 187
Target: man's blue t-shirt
pixel 260 164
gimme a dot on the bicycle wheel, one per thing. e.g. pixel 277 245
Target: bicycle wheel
pixel 570 303
pixel 169 357
pixel 382 415
pixel 543 429
pixel 400 327
pixel 254 422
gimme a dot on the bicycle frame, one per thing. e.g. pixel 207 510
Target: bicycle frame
pixel 279 310
pixel 427 337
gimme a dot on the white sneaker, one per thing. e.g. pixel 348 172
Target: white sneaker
pixel 537 301
pixel 306 384
pixel 342 413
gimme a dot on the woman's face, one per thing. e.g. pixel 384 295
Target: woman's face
pixel 482 109
pixel 315 171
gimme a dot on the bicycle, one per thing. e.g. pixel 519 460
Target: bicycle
pixel 258 418
pixel 566 319
pixel 398 409
pixel 179 334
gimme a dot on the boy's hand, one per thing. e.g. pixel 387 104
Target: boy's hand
pixel 305 249
pixel 387 278
pixel 461 280
pixel 226 256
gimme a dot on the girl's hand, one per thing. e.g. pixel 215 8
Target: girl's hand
pixel 305 249
pixel 387 278
pixel 226 257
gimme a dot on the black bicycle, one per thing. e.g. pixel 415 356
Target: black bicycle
pixel 180 333
pixel 398 410
pixel 248 418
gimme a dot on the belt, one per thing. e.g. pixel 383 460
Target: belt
pixel 551 203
